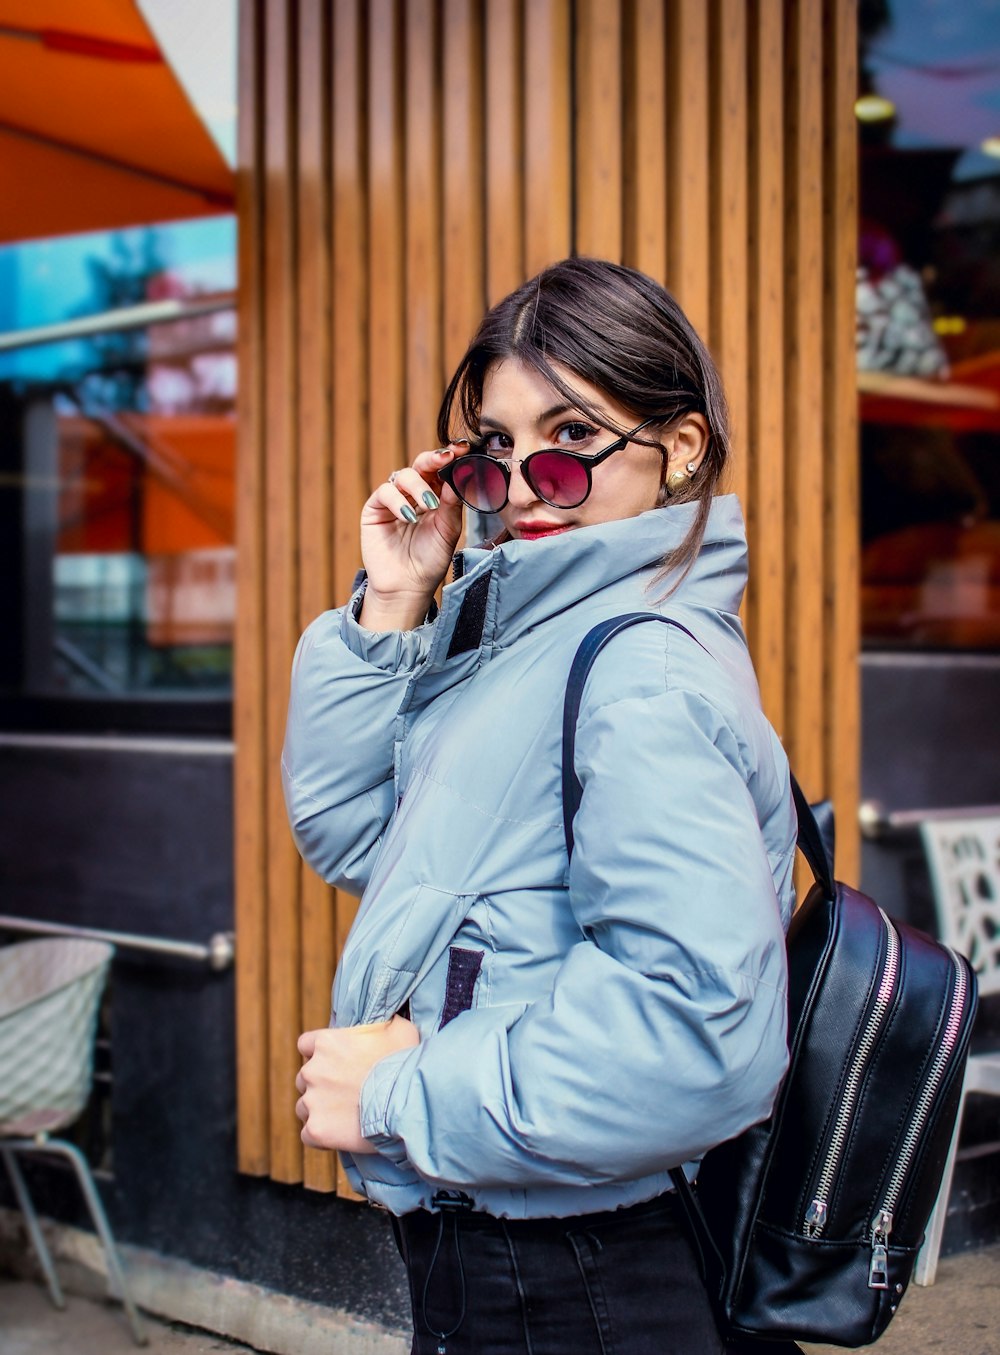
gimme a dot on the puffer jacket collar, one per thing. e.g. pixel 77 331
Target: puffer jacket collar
pixel 506 590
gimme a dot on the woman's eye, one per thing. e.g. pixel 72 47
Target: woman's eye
pixel 575 434
pixel 494 444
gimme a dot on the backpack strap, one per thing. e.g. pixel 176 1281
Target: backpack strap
pixel 810 842
pixel 810 839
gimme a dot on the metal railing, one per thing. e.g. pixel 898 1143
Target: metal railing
pixel 218 954
pixel 118 320
pixel 879 823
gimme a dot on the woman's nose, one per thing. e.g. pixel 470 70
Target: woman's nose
pixel 520 493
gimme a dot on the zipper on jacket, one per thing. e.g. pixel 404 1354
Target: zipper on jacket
pixel 816 1214
pixel 882 1223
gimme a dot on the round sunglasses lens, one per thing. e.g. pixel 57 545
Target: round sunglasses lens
pixel 479 482
pixel 557 479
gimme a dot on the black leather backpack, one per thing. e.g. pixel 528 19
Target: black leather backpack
pixel 808 1225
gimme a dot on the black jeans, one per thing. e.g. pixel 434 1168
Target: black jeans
pixel 617 1283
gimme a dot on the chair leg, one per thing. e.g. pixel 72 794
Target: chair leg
pixel 34 1228
pixel 117 1282
pixel 116 1275
pixel 927 1258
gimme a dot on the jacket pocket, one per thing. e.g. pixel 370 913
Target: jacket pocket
pixel 399 962
pixel 388 993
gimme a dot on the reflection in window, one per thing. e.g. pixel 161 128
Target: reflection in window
pixel 117 497
pixel 928 329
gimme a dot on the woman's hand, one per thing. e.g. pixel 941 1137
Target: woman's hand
pixel 330 1081
pixel 409 530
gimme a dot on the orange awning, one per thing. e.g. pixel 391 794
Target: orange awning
pixel 95 130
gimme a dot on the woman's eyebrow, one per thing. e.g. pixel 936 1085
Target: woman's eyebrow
pixel 551 413
pixel 556 410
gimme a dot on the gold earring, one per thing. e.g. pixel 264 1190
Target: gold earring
pixel 677 479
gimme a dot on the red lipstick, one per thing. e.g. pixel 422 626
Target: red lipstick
pixel 533 531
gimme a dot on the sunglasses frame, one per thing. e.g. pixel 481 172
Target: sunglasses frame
pixel 446 473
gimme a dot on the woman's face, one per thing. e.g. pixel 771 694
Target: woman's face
pixel 522 413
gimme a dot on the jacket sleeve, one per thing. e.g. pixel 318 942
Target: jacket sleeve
pixel 337 760
pixel 664 1032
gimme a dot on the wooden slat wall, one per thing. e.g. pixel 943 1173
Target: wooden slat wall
pixel 315 484
pixel 252 770
pixel 841 506
pixel 405 163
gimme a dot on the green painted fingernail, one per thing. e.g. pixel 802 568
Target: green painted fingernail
pixel 430 498
pixel 407 513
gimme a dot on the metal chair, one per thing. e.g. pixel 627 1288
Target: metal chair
pixel 963 857
pixel 50 992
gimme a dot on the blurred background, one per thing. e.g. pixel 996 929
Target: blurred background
pixel 241 245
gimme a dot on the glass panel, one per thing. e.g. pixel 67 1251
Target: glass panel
pixel 117 497
pixel 929 323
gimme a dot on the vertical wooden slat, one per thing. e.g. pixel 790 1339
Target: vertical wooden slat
pixel 504 188
pixel 315 482
pixel 283 866
pixel 805 632
pixel 349 312
pixel 687 185
pixel 598 128
pixel 423 224
pixel 645 224
pixel 349 326
pixel 842 728
pixel 765 498
pixel 547 145
pixel 464 283
pixel 251 771
pixel 729 325
pixel 386 447
pixel 313 367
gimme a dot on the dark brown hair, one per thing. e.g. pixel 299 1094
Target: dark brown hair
pixel 623 333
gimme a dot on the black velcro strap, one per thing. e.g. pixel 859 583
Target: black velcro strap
pixel 463 970
pixel 468 632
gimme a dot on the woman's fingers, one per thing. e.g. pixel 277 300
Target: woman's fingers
pixel 410 527
pixel 412 491
pixel 406 495
pixel 408 486
pixel 428 464
pixel 329 1082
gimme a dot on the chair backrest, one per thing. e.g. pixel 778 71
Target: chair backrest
pixel 963 857
pixel 50 991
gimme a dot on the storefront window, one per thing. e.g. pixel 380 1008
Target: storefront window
pixel 116 500
pixel 928 330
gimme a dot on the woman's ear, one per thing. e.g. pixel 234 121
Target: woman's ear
pixel 687 442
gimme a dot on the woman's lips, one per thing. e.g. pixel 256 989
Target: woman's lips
pixel 531 531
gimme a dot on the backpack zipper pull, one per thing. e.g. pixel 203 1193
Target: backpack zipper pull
pixel 878 1273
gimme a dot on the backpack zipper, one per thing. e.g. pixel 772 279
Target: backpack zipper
pixel 882 1223
pixel 815 1219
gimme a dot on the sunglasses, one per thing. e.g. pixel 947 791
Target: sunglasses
pixel 559 478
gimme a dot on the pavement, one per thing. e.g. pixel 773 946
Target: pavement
pixel 30 1325
pixel 960 1314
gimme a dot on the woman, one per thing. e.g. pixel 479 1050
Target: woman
pixel 524 1045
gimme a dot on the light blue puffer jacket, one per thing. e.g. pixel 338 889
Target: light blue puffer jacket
pixel 626 1013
